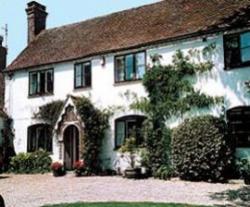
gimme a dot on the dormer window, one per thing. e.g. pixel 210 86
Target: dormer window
pixel 41 82
pixel 237 50
pixel 130 67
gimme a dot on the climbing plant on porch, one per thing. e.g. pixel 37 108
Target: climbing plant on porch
pixel 95 123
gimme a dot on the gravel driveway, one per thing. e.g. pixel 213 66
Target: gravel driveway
pixel 37 190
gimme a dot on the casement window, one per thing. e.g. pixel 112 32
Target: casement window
pixel 82 76
pixel 237 50
pixel 130 67
pixel 127 127
pixel 238 123
pixel 41 82
pixel 39 137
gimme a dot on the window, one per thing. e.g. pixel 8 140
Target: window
pixel 238 123
pixel 237 50
pixel 82 75
pixel 41 82
pixel 130 67
pixel 39 137
pixel 128 126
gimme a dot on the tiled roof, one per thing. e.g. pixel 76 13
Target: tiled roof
pixel 149 24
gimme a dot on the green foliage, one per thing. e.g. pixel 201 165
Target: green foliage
pixel 50 112
pixel 29 163
pixel 157 143
pixel 165 172
pixel 129 146
pixel 243 166
pixel 7 146
pixel 96 123
pixel 200 149
pixel 170 91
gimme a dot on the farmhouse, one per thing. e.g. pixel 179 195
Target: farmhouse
pixel 106 57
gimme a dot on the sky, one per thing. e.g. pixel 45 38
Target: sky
pixel 61 12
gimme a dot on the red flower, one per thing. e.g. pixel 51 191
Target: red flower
pixel 79 165
pixel 56 166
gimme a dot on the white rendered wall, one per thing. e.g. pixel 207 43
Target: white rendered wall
pixel 104 92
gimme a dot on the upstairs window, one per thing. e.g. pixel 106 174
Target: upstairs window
pixel 130 67
pixel 82 75
pixel 127 127
pixel 41 82
pixel 39 137
pixel 237 50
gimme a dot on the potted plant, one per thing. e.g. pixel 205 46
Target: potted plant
pixel 58 169
pixel 244 170
pixel 129 149
pixel 79 167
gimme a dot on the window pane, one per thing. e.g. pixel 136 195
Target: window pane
pixel 232 51
pixel 50 84
pixel 78 75
pixel 140 58
pixel 33 83
pixel 120 68
pixel 140 65
pixel 42 82
pixel 87 74
pixel 245 40
pixel 120 133
pixel 129 67
pixel 245 54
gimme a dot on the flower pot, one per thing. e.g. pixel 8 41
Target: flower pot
pixel 133 173
pixel 58 173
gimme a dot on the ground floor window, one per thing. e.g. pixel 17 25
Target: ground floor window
pixel 39 137
pixel 239 125
pixel 128 126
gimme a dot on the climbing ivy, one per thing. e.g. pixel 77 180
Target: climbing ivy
pixel 50 112
pixel 171 92
pixel 95 122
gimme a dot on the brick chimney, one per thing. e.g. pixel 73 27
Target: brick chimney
pixel 3 57
pixel 36 19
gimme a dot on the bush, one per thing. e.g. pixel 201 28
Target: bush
pixel 201 151
pixel 164 172
pixel 157 143
pixel 29 163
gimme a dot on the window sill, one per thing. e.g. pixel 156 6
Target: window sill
pixel 40 95
pixel 240 66
pixel 127 82
pixel 83 89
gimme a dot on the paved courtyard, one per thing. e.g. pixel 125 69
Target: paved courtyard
pixel 37 190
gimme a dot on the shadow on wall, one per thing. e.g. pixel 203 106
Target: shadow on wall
pixel 240 197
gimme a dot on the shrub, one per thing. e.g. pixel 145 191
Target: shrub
pixel 243 166
pixel 201 151
pixel 157 143
pixel 29 163
pixel 164 172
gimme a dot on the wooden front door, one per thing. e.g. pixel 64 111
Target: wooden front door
pixel 71 146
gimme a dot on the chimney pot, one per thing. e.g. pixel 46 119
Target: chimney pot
pixel 36 19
